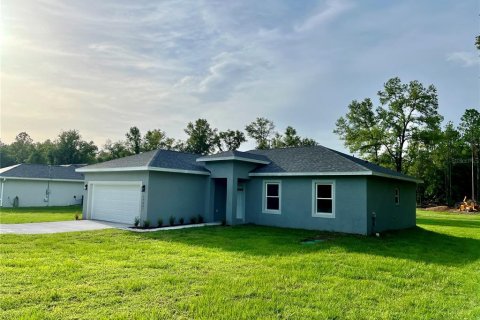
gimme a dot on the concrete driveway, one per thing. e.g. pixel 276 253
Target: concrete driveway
pixel 58 227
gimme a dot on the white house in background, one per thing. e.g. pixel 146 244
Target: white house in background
pixel 37 185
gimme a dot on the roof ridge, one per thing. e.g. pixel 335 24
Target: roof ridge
pixel 282 148
pixel 153 157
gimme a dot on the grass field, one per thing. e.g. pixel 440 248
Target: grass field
pixel 245 272
pixel 39 214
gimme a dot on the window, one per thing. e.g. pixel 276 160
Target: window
pixel 397 196
pixel 323 199
pixel 272 197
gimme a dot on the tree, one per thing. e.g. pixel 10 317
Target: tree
pixel 230 140
pixel 42 153
pixel 407 112
pixel 291 139
pixel 261 130
pixel 21 148
pixel 6 157
pixel 157 139
pixel 113 150
pixel 359 130
pixel 71 149
pixel 202 139
pixel 470 129
pixel 134 140
pixel 477 42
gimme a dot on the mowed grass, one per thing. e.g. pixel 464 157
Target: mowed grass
pixel 39 214
pixel 245 272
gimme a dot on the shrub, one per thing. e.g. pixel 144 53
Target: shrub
pixel 181 221
pixel 193 220
pixel 160 222
pixel 136 222
pixel 171 220
pixel 146 224
pixel 200 218
pixel 224 222
pixel 77 216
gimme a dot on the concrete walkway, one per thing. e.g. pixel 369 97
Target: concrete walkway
pixel 58 227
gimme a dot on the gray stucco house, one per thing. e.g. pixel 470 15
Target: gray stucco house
pixel 305 187
pixel 38 185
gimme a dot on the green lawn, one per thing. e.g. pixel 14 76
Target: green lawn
pixel 245 272
pixel 39 214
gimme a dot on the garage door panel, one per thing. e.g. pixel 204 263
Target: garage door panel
pixel 116 202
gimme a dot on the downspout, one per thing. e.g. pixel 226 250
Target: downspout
pixel 1 192
pixel 48 185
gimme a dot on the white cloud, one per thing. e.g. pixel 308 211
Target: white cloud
pixel 331 10
pixel 467 59
pixel 102 66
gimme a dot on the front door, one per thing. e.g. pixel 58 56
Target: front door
pixel 241 201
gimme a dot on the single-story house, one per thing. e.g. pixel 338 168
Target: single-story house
pixel 38 185
pixel 304 187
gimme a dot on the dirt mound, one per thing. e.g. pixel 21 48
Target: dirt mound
pixel 438 208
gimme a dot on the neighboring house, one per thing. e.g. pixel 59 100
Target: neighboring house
pixel 305 187
pixel 36 185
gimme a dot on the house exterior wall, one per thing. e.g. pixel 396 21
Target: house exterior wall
pixel 232 170
pixel 381 201
pixel 117 177
pixel 297 208
pixel 179 195
pixel 33 193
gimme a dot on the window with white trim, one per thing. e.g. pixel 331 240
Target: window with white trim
pixel 323 204
pixel 397 196
pixel 272 191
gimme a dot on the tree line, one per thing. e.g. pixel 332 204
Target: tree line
pixel 69 147
pixel 404 133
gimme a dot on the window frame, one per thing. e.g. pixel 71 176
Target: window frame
pixel 396 196
pixel 264 197
pixel 316 214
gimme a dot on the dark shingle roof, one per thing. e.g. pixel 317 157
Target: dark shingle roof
pixel 42 171
pixel 235 154
pixel 166 159
pixel 318 159
pixel 299 160
pixel 305 159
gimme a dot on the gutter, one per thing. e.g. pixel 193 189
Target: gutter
pixel 345 173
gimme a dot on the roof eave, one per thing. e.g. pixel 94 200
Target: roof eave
pixel 40 179
pixel 343 173
pixel 144 168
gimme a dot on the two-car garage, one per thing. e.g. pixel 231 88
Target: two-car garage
pixel 119 201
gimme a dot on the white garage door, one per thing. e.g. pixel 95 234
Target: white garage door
pixel 115 202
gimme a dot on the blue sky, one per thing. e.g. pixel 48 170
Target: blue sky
pixel 103 66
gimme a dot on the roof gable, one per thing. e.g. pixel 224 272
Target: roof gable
pixel 236 155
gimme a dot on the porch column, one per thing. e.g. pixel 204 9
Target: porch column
pixel 232 184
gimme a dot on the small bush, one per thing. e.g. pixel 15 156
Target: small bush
pixel 77 216
pixel 224 222
pixel 193 220
pixel 136 222
pixel 181 221
pixel 171 220
pixel 160 222
pixel 200 218
pixel 146 224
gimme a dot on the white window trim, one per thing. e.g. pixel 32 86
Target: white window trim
pixel 264 197
pixel 314 198
pixel 396 194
